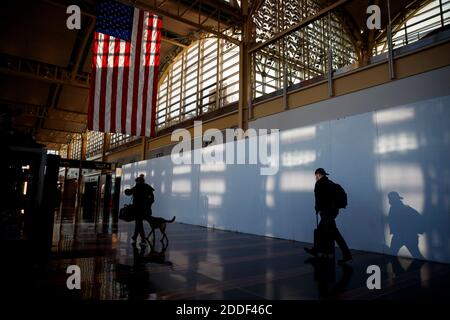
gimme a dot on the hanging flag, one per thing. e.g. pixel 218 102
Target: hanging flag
pixel 125 70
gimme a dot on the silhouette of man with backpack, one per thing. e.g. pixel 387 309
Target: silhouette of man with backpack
pixel 330 197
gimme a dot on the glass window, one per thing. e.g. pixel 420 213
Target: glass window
pixel 300 55
pixel 204 77
pixel 75 147
pixel 94 144
pixel 118 139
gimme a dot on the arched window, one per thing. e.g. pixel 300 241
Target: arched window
pixel 418 22
pixel 204 77
pixel 301 55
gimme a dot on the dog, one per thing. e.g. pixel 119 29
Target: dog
pixel 161 224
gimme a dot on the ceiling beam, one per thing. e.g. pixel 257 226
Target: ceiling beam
pixel 81 113
pixel 176 43
pixel 256 4
pixel 57 141
pixel 222 7
pixel 21 67
pixel 31 110
pixel 153 6
pixel 82 51
pixel 405 14
pixel 63 130
pixel 64 7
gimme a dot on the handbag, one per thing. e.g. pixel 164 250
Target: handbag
pixel 127 213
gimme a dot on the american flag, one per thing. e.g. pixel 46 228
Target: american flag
pixel 125 70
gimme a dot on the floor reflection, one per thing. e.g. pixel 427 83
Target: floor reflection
pixel 134 280
pixel 325 270
pixel 202 263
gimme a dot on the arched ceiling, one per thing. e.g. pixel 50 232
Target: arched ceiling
pixel 44 67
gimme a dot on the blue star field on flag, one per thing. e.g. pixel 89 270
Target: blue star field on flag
pixel 114 19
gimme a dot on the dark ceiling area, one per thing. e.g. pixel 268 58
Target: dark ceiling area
pixel 45 67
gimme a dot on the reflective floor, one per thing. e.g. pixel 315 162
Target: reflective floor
pixel 202 263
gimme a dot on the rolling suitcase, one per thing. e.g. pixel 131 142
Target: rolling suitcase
pixel 324 242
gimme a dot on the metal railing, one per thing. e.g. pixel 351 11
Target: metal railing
pixel 419 25
pixel 321 49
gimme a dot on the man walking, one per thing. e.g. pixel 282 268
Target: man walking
pixel 142 200
pixel 324 192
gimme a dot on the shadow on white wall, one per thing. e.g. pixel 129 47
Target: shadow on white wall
pixel 394 165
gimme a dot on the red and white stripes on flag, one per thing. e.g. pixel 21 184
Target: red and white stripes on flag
pixel 124 79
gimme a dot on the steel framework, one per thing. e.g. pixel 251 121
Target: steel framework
pixel 296 41
pixel 42 71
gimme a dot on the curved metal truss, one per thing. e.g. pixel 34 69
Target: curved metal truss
pixel 301 55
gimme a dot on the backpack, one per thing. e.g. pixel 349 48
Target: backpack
pixel 339 197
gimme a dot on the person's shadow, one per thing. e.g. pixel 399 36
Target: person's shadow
pixel 405 225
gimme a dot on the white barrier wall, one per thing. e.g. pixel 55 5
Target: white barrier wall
pixel 379 157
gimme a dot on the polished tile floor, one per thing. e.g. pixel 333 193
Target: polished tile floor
pixel 202 263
